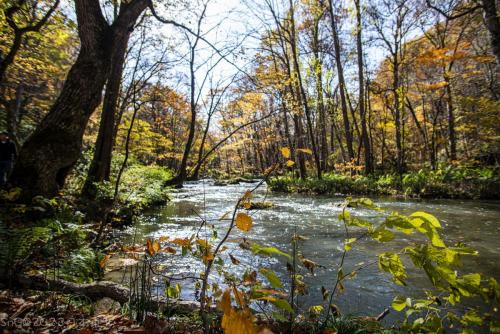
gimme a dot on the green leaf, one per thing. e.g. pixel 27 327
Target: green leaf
pixel 434 237
pixel 426 217
pixel 367 203
pixel 354 221
pixel 382 235
pixel 267 250
pixel 399 303
pixel 391 263
pixel 344 215
pixel 402 223
pixel 173 291
pixel 272 278
pixel 348 244
pixel 469 284
pixel 283 305
pixel 471 318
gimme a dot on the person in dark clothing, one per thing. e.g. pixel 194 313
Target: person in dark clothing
pixel 8 154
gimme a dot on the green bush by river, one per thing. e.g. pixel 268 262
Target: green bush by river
pixel 446 182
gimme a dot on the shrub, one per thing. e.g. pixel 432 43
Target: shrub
pixel 448 181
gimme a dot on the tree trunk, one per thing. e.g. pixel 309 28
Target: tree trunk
pixel 49 154
pixel 13 109
pixel 182 174
pixel 302 95
pixel 397 116
pixel 452 141
pixel 9 58
pixel 318 70
pixel 100 166
pixel 340 70
pixel 362 107
pixel 492 22
pixel 300 143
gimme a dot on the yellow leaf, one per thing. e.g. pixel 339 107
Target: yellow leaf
pixel 244 221
pixel 238 322
pixel 169 249
pixel 182 242
pixel 152 247
pixel 208 256
pixel 290 163
pixel 203 243
pixel 163 238
pixel 305 150
pixel 103 261
pixel 225 302
pixel 285 151
pixel 247 196
pixel 156 246
pixel 246 200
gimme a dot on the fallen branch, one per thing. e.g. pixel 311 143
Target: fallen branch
pixel 382 315
pixel 99 290
pixel 93 291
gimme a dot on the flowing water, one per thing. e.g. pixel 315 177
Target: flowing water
pixel 476 223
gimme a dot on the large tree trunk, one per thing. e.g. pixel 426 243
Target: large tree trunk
pixel 101 162
pixel 51 151
pixel 49 154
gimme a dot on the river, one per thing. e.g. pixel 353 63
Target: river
pixel 476 223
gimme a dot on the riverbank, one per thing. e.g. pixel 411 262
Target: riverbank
pixel 446 183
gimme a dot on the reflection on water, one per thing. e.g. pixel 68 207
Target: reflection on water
pixel 475 223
